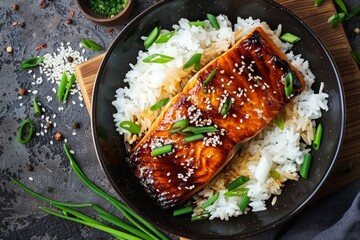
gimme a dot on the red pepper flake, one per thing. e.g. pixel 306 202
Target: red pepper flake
pixel 43 4
pixel 110 30
pixel 72 13
pixel 68 21
pixel 58 136
pixel 40 46
pixel 22 91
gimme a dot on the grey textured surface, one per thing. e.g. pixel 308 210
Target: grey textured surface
pixel 20 217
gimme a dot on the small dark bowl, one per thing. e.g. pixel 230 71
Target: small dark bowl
pixel 111 150
pixel 105 21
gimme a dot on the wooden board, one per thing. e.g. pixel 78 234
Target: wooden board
pixel 336 41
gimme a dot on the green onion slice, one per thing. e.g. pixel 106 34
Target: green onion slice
pixel 208 79
pixel 289 37
pixel 201 216
pixel 131 127
pixel 210 200
pixel 237 183
pixel 152 37
pixel 194 60
pixel 280 121
pixel 37 109
pixel 244 203
pixel 159 104
pixel 22 131
pixel 68 86
pixel 226 107
pixel 238 192
pixel 182 211
pixel 62 86
pixel 318 136
pixel 163 38
pixel 198 130
pixel 305 166
pixel 89 44
pixel 318 2
pixel 275 174
pixel 158 58
pixel 213 21
pixel 31 62
pixel 162 150
pixel 177 126
pixel 336 19
pixel 288 84
pixel 197 24
pixel 193 138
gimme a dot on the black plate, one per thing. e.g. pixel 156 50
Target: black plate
pixel 109 144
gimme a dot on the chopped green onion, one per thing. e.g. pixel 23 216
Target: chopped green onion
pixel 193 138
pixel 226 107
pixel 177 126
pixel 163 38
pixel 161 150
pixel 194 60
pixel 21 131
pixel 341 5
pixel 89 44
pixel 210 200
pixel 197 130
pixel 336 19
pixel 237 183
pixel 37 109
pixel 318 2
pixel 318 136
pixel 208 79
pixel 280 121
pixel 305 166
pixel 68 86
pixel 238 192
pixel 275 174
pixel 182 211
pixel 244 203
pixel 213 21
pixel 159 104
pixel 288 84
pixel 31 62
pixel 131 127
pixel 289 37
pixel 201 216
pixel 152 37
pixel 62 86
pixel 158 58
pixel 197 24
pixel 356 57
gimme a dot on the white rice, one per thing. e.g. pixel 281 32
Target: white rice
pixel 148 83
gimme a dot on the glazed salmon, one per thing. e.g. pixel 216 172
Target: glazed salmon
pixel 242 97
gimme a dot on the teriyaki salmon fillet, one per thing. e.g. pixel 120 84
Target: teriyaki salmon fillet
pixel 226 103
